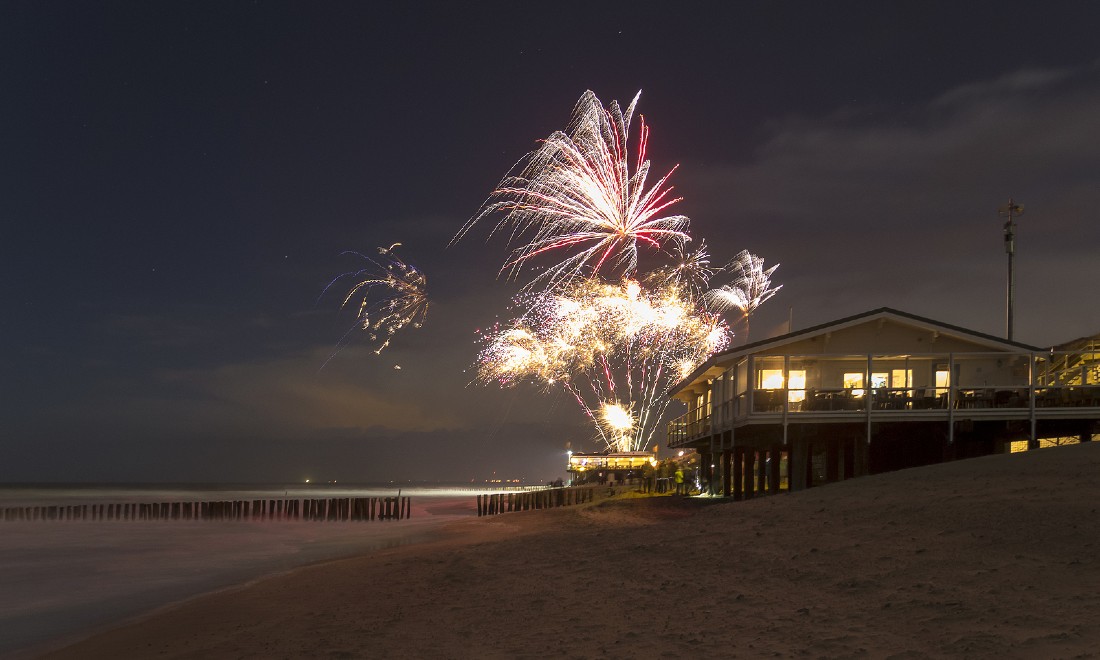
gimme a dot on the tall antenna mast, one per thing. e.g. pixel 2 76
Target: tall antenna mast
pixel 1012 210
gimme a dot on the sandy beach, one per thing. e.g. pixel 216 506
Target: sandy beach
pixel 990 557
pixel 61 580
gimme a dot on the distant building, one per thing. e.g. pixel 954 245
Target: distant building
pixel 605 467
pixel 874 392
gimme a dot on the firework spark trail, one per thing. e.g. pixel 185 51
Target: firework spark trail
pixel 689 269
pixel 610 346
pixel 580 203
pixel 751 288
pixel 391 295
pixel 577 194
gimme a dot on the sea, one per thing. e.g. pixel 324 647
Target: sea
pixel 63 580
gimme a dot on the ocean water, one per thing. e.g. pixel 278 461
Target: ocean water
pixel 61 580
pixel 66 494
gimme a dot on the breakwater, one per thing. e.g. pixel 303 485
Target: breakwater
pixel 492 504
pixel 338 509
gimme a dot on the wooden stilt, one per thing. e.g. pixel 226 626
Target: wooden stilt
pixel 849 461
pixel 773 468
pixel 738 474
pixel 762 472
pixel 832 460
pixel 749 462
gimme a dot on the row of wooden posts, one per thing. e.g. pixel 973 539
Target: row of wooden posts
pixel 343 509
pixel 489 505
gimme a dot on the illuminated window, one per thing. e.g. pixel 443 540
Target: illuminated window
pixel 771 379
pixel 853 380
pixel 901 378
pixel 880 380
pixel 943 380
pixel 797 386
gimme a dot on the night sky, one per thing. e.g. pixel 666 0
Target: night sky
pixel 178 180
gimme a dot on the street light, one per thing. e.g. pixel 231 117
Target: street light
pixel 1012 210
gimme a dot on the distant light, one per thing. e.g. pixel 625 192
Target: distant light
pixel 681 453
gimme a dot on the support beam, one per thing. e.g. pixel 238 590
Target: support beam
pixel 708 474
pixel 832 460
pixel 851 446
pixel 862 459
pixel 727 450
pixel 738 483
pixel 796 464
pixel 749 458
pixel 808 464
pixel 762 472
pixel 951 385
pixel 1032 440
pixel 777 459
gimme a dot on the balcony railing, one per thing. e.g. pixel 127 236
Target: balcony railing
pixel 892 402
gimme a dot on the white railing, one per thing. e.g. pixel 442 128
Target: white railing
pixel 1024 381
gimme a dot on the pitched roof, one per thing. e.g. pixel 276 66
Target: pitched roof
pixel 1080 343
pixel 797 335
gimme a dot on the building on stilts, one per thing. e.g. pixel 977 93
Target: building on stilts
pixel 874 392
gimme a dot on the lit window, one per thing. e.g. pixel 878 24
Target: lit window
pixel 771 379
pixel 943 381
pixel 853 380
pixel 901 378
pixel 880 380
pixel 797 385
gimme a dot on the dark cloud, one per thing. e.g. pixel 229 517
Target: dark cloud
pixel 902 210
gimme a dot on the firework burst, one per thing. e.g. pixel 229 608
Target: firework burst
pixel 616 348
pixel 388 296
pixel 690 270
pixel 592 323
pixel 579 194
pixel 751 287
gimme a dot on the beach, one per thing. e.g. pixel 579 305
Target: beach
pixel 61 580
pixel 988 557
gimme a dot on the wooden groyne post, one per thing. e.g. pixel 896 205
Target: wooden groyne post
pixel 345 509
pixel 491 504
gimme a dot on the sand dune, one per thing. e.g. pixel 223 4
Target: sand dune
pixel 990 557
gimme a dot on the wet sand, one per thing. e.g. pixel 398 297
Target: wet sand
pixel 61 580
pixel 990 557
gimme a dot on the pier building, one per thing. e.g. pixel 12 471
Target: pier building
pixel 878 391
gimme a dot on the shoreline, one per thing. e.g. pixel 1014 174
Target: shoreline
pixel 40 650
pixel 989 557
pixel 67 580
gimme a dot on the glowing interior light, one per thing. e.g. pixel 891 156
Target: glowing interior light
pixel 771 379
pixel 797 386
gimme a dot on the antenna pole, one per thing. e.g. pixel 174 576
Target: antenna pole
pixel 1012 210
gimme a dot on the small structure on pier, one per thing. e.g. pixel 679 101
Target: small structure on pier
pixel 874 392
pixel 614 467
